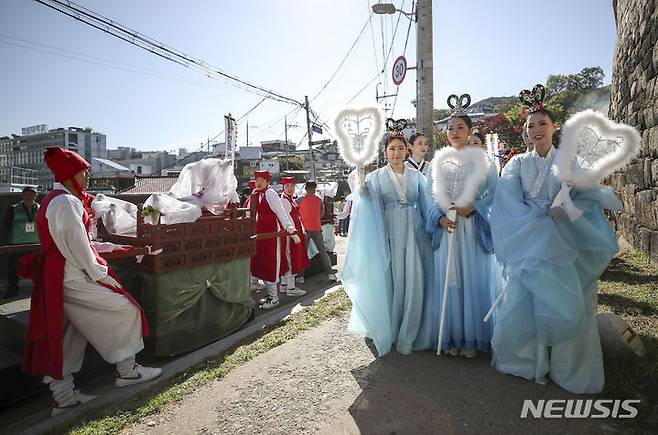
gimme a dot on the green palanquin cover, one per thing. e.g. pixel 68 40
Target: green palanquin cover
pixel 190 308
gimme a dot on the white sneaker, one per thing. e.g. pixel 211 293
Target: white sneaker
pixel 332 277
pixel 294 291
pixel 78 399
pixel 269 303
pixel 468 353
pixel 138 375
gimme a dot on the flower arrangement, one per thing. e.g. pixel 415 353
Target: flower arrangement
pixel 152 213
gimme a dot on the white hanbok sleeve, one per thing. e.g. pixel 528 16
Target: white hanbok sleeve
pixel 277 207
pixel 347 210
pixel 64 216
pixel 286 206
pixel 104 246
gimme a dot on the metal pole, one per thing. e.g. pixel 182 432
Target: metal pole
pixel 310 135
pixel 424 73
pixel 247 144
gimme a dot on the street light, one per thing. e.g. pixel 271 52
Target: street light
pixel 389 8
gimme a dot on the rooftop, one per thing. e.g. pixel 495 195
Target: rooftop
pixel 150 185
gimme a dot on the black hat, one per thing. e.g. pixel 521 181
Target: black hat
pixel 30 189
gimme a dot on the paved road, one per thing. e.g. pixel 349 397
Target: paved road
pixel 327 381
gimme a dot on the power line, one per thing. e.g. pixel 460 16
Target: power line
pixel 363 89
pixel 158 48
pixel 395 32
pixel 372 36
pixel 81 57
pixel 404 51
pixel 336 82
pixel 210 140
pixel 344 58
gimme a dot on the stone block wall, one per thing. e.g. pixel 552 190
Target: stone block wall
pixel 634 101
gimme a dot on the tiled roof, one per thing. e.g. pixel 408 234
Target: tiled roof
pixel 151 185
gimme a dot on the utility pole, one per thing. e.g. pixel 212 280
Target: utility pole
pixel 310 142
pixel 424 73
pixel 247 144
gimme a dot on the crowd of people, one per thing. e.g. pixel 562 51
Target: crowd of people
pixel 284 225
pixel 77 298
pixel 433 251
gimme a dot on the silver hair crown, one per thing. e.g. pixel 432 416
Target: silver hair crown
pixel 533 100
pixel 459 104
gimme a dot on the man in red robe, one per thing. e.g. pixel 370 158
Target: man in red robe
pixel 295 252
pixel 76 297
pixel 270 262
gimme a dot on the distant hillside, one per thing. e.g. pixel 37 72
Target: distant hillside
pixel 495 101
pixel 597 99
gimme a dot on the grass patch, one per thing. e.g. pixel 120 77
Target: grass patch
pixel 214 369
pixel 629 287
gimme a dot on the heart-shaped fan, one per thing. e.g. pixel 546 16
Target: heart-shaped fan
pixel 593 147
pixel 457 175
pixel 358 131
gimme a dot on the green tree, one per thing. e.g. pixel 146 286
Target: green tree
pixel 567 87
pixel 440 138
pixel 294 163
pixel 440 114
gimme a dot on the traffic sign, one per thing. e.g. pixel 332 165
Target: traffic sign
pixel 399 70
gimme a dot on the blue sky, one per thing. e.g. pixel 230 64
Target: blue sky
pixel 485 48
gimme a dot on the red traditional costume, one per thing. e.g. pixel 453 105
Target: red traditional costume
pixel 71 302
pixel 297 255
pixel 270 263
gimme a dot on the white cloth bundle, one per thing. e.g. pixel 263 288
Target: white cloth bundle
pixel 208 183
pixel 172 210
pixel 119 217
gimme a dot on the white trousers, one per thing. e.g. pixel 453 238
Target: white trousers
pixel 107 320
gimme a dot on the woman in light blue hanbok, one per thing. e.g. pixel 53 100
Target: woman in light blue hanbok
pixel 387 267
pixel 545 325
pixel 473 278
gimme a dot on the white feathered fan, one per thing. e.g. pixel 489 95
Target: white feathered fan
pixel 592 147
pixel 457 176
pixel 359 131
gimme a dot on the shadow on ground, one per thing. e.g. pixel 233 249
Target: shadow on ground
pixel 429 394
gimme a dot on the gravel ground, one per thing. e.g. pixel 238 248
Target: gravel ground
pixel 294 388
pixel 327 381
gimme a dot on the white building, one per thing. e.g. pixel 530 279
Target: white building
pixel 269 165
pixel 26 150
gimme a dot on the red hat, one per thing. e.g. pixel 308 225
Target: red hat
pixel 263 174
pixel 288 180
pixel 64 164
pixel 252 184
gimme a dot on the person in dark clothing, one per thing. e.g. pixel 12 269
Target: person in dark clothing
pixel 20 228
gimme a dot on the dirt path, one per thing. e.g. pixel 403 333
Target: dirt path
pixel 327 381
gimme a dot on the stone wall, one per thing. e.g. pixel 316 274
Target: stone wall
pixel 633 101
